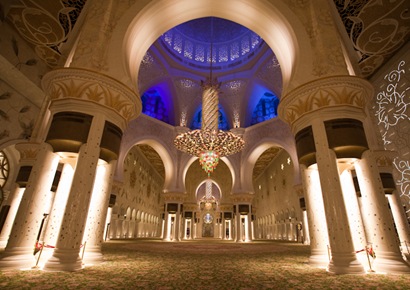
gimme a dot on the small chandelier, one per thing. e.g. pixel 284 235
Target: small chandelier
pixel 209 143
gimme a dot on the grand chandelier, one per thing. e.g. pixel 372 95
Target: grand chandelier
pixel 209 143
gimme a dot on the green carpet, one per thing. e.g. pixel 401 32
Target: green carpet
pixel 202 264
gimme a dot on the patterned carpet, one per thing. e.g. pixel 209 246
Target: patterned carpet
pixel 202 264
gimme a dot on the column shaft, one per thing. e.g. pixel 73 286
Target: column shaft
pixel 66 254
pixel 402 226
pixel 56 213
pixel 377 218
pixel 343 260
pixel 97 213
pixel 15 199
pixel 319 240
pixel 19 250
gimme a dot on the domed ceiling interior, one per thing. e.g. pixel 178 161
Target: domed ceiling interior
pixel 178 61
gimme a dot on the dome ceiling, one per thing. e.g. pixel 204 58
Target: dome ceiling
pixel 180 59
pixel 230 43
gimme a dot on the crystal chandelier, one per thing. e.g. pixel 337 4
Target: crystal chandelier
pixel 208 201
pixel 209 143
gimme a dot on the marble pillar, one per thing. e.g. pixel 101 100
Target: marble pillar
pixel 66 255
pixel 97 214
pixel 354 214
pixel 377 218
pixel 57 210
pixel 318 236
pixel 343 260
pixel 402 225
pixel 15 199
pixel 19 250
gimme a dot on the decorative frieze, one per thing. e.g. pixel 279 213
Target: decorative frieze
pixel 323 93
pixel 242 197
pixel 173 196
pixel 92 87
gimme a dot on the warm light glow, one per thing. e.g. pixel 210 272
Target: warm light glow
pixel 209 160
pixel 209 143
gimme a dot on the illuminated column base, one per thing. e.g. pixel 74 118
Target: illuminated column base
pixel 319 257
pixel 92 255
pixel 345 263
pixel 18 258
pixel 64 260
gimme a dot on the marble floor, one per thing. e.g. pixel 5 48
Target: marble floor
pixel 200 264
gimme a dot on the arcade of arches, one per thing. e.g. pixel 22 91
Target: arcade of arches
pixel 93 94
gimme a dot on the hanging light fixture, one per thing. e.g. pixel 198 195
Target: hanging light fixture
pixel 209 143
pixel 208 201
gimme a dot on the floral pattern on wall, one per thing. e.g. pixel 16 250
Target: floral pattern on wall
pixel 392 110
pixel 17 115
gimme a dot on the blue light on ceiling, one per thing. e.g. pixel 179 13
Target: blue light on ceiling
pixel 153 105
pixel 197 120
pixel 232 43
pixel 266 109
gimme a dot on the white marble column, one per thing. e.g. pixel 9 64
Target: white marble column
pixel 178 224
pixel 248 227
pixel 15 199
pixel 343 260
pixel 66 256
pixel 402 226
pixel 238 225
pixel 318 236
pixel 377 218
pixel 19 250
pixel 107 224
pixel 56 213
pixel 306 236
pixel 354 214
pixel 167 226
pixel 94 231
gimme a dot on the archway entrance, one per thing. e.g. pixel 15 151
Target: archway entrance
pixel 208 197
pixel 208 226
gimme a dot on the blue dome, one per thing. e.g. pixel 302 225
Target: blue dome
pixel 232 44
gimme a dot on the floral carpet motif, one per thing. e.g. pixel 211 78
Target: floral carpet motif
pixel 200 264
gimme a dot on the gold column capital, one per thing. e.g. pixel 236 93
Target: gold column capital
pixel 330 92
pixel 94 87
